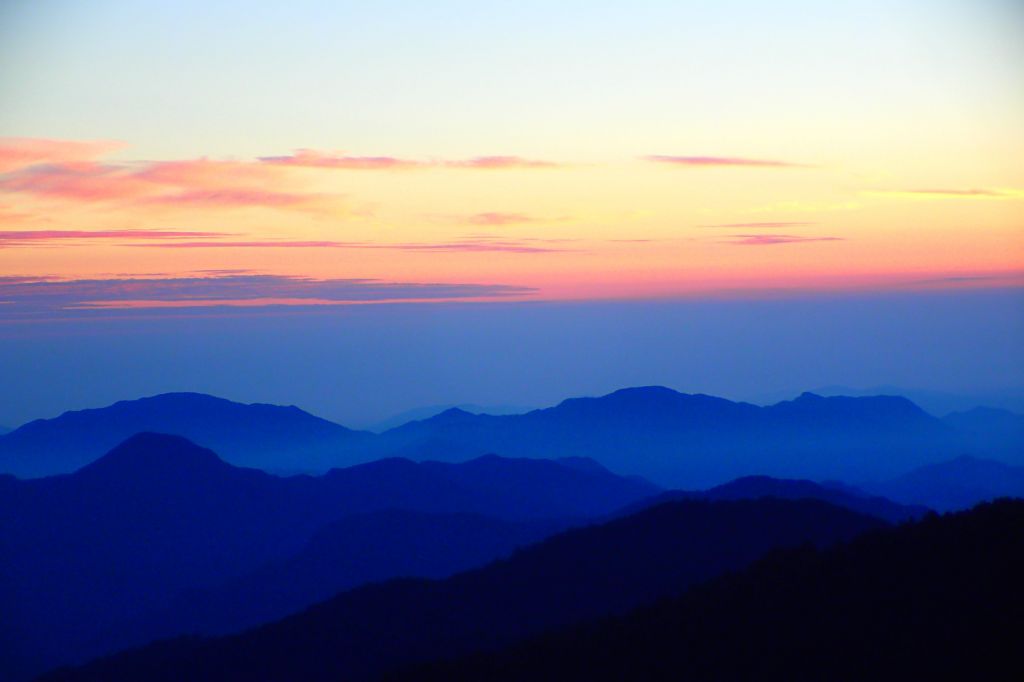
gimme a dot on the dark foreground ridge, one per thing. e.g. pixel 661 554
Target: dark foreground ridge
pixel 575 576
pixel 938 599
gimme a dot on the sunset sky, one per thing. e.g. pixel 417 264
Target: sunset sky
pixel 217 158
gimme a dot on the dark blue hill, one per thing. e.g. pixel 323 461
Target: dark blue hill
pixel 158 516
pixel 580 574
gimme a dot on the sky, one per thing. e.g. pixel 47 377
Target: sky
pixel 326 174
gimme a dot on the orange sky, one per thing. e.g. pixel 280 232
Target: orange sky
pixel 634 227
pixel 648 149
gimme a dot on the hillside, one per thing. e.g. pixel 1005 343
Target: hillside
pixel 578 575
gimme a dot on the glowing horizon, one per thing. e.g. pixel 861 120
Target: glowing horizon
pixel 569 179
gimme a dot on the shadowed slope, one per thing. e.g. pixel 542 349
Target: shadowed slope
pixel 571 577
pixel 158 515
pixel 755 487
pixel 939 599
pixel 956 484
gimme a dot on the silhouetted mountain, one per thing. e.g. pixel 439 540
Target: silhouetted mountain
pixel 158 515
pixel 756 487
pixel 420 413
pixel 696 440
pixel 580 574
pixel 269 437
pixel 935 600
pixel 937 403
pixel 673 438
pixel 997 432
pixel 4 429
pixel 356 550
pixel 957 484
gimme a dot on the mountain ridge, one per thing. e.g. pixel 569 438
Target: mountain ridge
pixel 159 515
pixel 676 439
pixel 879 607
pixel 586 572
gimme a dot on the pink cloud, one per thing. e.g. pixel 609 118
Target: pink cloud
pixel 771 239
pixel 206 173
pixel 968 193
pixel 239 198
pixel 245 244
pixel 714 161
pixel 44 297
pixel 199 182
pixel 81 181
pixel 30 237
pixel 500 162
pixel 309 158
pixel 768 225
pixel 19 152
pixel 473 244
pixel 495 218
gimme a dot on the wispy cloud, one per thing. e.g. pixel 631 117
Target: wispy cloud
pixel 73 172
pixel 764 225
pixel 973 193
pixel 268 243
pixel 477 245
pixel 20 152
pixel 178 185
pixel 772 239
pixel 309 158
pixel 85 181
pixel 1010 278
pixel 470 244
pixel 242 198
pixel 499 163
pixel 497 219
pixel 42 297
pixel 10 238
pixel 716 161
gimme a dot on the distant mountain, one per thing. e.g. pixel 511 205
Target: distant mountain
pixel 269 437
pixel 756 487
pixel 999 433
pixel 421 413
pixel 675 439
pixel 157 516
pixel 581 574
pixel 698 440
pixel 4 429
pixel 957 484
pixel 937 403
pixel 936 600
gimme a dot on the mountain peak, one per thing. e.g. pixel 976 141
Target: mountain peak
pixel 154 454
pixel 452 414
pixel 893 405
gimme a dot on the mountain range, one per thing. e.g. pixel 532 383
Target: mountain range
pixel 674 439
pixel 956 484
pixel 756 487
pixel 426 412
pixel 269 437
pixel 935 600
pixel 87 553
pixel 578 575
pixel 160 538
